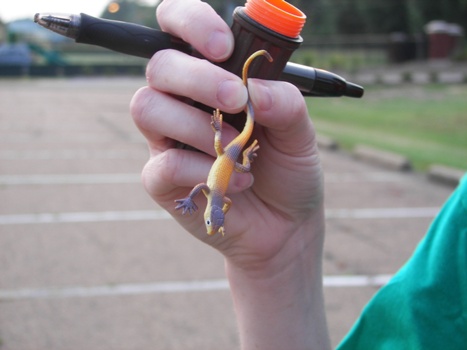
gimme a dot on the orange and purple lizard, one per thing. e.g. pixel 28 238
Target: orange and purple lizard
pixel 215 187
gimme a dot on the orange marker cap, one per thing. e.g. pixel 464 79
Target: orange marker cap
pixel 277 15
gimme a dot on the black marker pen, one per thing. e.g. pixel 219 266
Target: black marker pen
pixel 141 41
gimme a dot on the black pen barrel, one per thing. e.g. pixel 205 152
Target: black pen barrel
pixel 127 38
pixel 137 40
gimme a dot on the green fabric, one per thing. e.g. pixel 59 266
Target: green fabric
pixel 424 306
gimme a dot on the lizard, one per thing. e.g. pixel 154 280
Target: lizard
pixel 218 179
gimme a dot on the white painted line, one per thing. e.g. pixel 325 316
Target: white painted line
pixel 106 216
pixel 69 179
pixel 115 290
pixel 356 281
pixel 168 287
pixel 144 215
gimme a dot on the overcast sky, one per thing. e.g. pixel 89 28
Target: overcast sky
pixel 20 9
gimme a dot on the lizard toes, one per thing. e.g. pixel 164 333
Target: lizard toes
pixel 251 153
pixel 187 205
pixel 216 120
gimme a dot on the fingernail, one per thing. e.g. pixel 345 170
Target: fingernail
pixel 260 95
pixel 232 94
pixel 241 182
pixel 219 45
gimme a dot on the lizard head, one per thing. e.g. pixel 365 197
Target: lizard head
pixel 214 220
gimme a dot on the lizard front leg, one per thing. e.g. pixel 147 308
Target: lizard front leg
pixel 227 205
pixel 248 156
pixel 216 124
pixel 187 204
pixel 225 209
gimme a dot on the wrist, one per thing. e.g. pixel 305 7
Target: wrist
pixel 279 303
pixel 297 263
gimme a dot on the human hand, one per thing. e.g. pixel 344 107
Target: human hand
pixel 275 227
pixel 286 195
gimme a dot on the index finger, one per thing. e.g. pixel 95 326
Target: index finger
pixel 197 23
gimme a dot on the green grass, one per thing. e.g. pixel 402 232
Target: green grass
pixel 428 124
pixel 337 59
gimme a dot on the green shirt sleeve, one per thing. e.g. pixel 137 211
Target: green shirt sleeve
pixel 424 306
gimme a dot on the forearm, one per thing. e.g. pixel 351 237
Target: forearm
pixel 281 306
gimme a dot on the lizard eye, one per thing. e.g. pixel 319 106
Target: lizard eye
pixel 208 221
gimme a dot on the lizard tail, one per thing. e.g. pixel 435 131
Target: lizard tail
pixel 250 59
pixel 250 116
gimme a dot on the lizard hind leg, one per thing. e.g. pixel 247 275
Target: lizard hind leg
pixel 249 155
pixel 250 152
pixel 216 124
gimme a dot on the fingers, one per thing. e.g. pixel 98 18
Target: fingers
pixel 163 119
pixel 197 23
pixel 173 72
pixel 177 73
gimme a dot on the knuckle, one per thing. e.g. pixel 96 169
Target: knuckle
pixel 137 102
pixel 157 66
pixel 197 15
pixel 169 165
pixel 298 107
pixel 177 73
pixel 159 173
pixel 140 107
pixel 293 106
pixel 180 18
pixel 164 10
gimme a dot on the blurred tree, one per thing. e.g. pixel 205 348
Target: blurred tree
pixel 2 31
pixel 454 11
pixel 377 16
pixel 328 17
pixel 321 17
pixel 414 17
pixel 383 17
pixel 350 18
